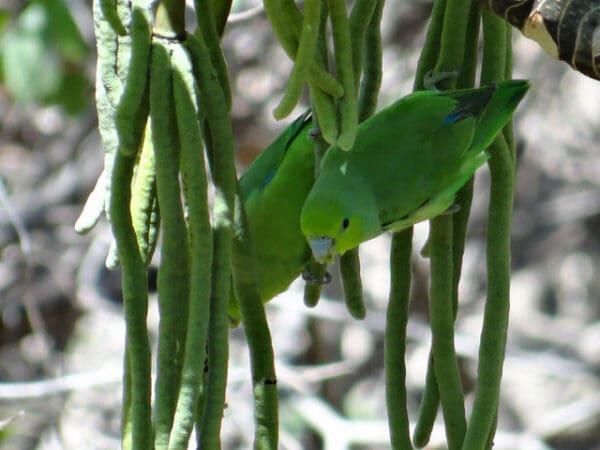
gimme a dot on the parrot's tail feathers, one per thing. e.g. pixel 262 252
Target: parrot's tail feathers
pixel 506 97
pixel 469 103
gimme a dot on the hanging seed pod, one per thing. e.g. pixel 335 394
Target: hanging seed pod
pixel 568 30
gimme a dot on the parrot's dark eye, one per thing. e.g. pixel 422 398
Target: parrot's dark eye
pixel 345 223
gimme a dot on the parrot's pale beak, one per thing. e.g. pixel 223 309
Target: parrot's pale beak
pixel 321 248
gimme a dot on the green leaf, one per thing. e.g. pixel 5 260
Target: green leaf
pixel 41 56
pixel 31 71
pixel 62 31
pixel 4 18
pixel 73 94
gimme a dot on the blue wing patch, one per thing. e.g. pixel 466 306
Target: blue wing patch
pixel 455 116
pixel 268 178
pixel 469 103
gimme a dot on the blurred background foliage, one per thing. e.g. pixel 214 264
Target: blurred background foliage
pixel 43 55
pixel 61 324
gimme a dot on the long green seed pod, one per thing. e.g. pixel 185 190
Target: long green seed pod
pixel 365 35
pixel 302 62
pixel 195 191
pixel 447 50
pixel 114 53
pixel 442 330
pixel 132 112
pixel 395 339
pixel 290 18
pixel 342 44
pixel 467 74
pixel 264 380
pixel 322 50
pixel 495 321
pixel 221 9
pixel 201 401
pixel 135 303
pixel 144 203
pixel 325 81
pixel 360 18
pixel 372 63
pixel 211 31
pixel 427 61
pixel 286 21
pixel 466 79
pixel 123 51
pixel 507 131
pixel 460 221
pixel 495 318
pixel 316 276
pixel 108 83
pixel 428 408
pixel 431 49
pixel 353 295
pixel 108 92
pixel 322 104
pixel 324 107
pixel 493 66
pixel 219 141
pixel 126 417
pixel 109 10
pixel 452 43
pixel 440 245
pixel 490 441
pixel 174 271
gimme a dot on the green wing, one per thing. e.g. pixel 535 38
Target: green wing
pixel 265 166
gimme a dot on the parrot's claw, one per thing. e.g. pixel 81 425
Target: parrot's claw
pixel 454 208
pixel 314 133
pixel 312 279
pixel 431 79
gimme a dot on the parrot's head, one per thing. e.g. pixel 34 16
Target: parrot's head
pixel 337 217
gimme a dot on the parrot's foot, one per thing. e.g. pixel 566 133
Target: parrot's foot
pixel 454 208
pixel 431 79
pixel 312 279
pixel 314 133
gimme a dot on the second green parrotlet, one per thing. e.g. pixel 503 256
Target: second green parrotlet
pixel 273 190
pixel 406 165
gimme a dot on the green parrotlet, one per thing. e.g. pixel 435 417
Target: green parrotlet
pixel 406 165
